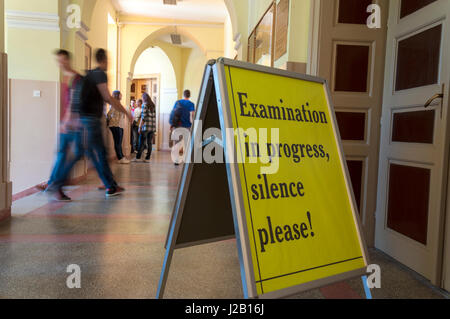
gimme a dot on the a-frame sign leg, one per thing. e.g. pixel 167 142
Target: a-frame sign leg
pixel 166 265
pixel 366 288
pixel 202 212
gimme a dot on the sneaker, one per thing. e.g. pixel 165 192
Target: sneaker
pixel 116 191
pixel 124 161
pixel 59 196
pixel 136 160
pixel 147 161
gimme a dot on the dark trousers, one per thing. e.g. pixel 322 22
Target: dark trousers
pixel 117 133
pixel 135 138
pixel 96 150
pixel 146 138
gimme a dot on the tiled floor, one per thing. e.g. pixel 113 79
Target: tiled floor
pixel 118 243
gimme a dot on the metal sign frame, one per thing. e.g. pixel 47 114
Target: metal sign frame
pixel 237 198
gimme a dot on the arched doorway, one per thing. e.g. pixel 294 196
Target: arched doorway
pixel 186 61
pixel 154 74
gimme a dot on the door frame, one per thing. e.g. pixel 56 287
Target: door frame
pixel 149 77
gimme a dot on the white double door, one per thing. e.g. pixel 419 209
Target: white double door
pixel 413 167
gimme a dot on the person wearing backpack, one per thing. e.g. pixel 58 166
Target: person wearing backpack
pixel 94 95
pixel 182 116
pixel 70 136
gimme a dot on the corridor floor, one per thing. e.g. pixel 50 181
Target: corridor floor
pixel 118 243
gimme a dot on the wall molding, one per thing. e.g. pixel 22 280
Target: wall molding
pixel 32 20
pixel 170 91
pixel 171 24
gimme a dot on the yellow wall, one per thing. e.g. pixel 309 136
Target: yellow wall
pixel 112 56
pixel 98 34
pixel 31 54
pixel 229 51
pixel 136 38
pixel 256 10
pixel 195 63
pixel 239 12
pixel 298 31
pixel 44 6
pixel 31 51
pixel 34 120
pixel 2 26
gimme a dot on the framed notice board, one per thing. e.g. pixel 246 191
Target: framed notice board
pixel 283 190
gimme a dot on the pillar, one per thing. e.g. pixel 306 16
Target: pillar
pixel 5 184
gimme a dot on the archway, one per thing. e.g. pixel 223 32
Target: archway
pixel 154 39
pixel 185 62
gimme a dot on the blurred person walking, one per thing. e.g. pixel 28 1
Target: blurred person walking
pixel 94 94
pixel 70 129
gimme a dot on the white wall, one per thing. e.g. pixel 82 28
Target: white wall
pixel 33 132
pixel 155 61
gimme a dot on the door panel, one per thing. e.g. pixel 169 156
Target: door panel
pixel 351 57
pixel 414 142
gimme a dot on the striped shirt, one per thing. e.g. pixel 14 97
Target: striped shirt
pixel 148 119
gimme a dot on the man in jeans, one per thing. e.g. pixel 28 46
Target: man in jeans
pixel 95 94
pixel 70 130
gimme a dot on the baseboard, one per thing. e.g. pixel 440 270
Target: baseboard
pixel 33 190
pixel 28 192
pixel 72 182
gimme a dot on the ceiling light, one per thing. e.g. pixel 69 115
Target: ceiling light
pixel 176 39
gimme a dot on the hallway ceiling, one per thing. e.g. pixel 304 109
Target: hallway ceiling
pixel 196 10
pixel 186 42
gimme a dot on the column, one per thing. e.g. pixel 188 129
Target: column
pixel 5 184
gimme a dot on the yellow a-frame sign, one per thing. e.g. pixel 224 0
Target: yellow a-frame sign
pixel 284 190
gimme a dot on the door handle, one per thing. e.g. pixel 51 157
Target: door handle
pixel 434 97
